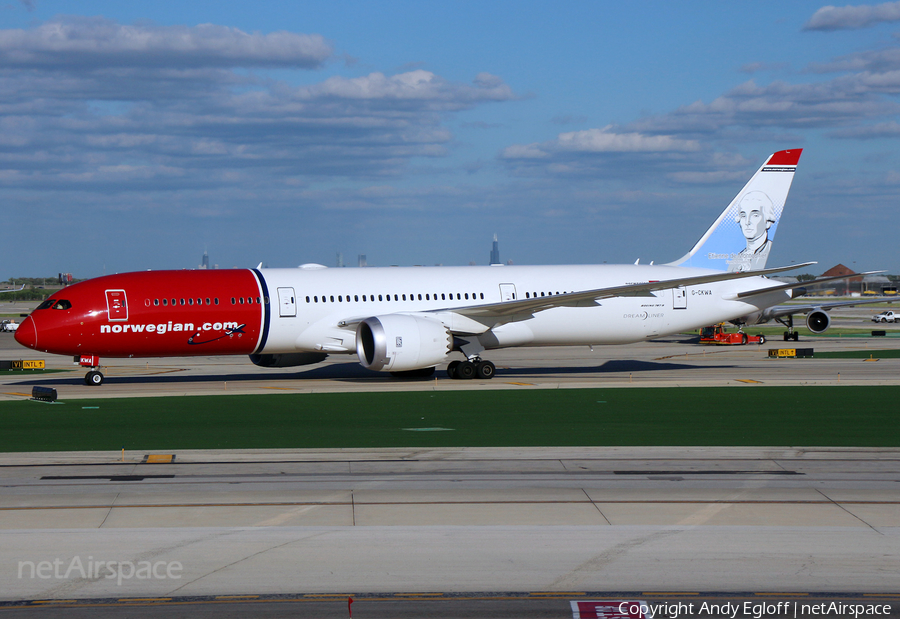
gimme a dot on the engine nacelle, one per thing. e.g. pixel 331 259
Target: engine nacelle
pixel 400 342
pixel 288 360
pixel 818 321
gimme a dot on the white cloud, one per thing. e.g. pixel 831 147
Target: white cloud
pixel 78 96
pixel 606 141
pixel 852 17
pixel 98 42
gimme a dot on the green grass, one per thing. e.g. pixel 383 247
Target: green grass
pixel 762 416
pixel 860 354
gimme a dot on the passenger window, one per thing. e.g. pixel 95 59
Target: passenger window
pixel 156 302
pixel 190 301
pixel 165 302
pixel 331 298
pixel 216 300
pixel 207 301
pixel 307 299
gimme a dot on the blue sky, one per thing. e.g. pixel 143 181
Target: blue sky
pixel 134 137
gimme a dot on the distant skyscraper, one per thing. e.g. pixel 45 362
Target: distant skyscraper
pixel 362 260
pixel 495 252
pixel 204 264
pixel 340 260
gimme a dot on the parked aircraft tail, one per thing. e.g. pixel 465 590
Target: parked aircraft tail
pixel 741 238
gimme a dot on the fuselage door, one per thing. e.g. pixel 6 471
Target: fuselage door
pixel 507 292
pixel 679 298
pixel 287 302
pixel 116 305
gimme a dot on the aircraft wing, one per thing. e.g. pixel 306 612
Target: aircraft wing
pixel 13 289
pixel 590 297
pixel 787 310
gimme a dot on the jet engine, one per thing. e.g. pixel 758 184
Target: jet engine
pixel 401 342
pixel 818 321
pixel 287 360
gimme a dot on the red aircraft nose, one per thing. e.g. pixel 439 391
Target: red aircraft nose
pixel 26 333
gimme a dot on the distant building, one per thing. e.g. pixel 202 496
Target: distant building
pixel 495 252
pixel 340 260
pixel 204 262
pixel 362 261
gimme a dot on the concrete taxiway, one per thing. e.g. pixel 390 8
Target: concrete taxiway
pixel 453 520
pixel 543 521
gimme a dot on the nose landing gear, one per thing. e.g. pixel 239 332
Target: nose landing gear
pixel 94 377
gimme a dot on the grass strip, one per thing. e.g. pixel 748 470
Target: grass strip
pixel 772 416
pixel 859 354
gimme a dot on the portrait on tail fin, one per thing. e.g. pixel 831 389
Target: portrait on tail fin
pixel 755 215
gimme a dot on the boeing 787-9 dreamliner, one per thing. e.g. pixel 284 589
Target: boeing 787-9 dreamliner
pixel 409 320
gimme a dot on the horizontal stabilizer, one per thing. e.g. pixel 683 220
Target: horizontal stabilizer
pixel 795 285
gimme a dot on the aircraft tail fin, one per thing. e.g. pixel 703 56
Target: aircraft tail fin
pixel 741 238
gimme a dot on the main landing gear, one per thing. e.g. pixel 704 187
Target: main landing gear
pixel 471 368
pixel 790 334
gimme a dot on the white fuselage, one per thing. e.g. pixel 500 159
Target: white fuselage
pixel 327 303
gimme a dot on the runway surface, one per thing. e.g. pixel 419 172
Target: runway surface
pixel 508 524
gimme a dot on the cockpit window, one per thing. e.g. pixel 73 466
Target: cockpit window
pixel 58 304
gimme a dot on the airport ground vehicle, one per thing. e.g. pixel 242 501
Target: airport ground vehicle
pixel 718 334
pixel 888 316
pixel 8 326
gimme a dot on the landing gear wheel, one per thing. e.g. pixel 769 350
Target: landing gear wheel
pixel 466 370
pixel 787 336
pixel 485 370
pixel 451 368
pixel 796 336
pixel 93 378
